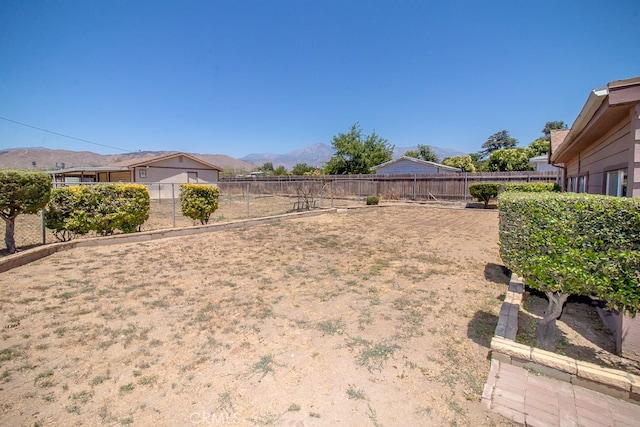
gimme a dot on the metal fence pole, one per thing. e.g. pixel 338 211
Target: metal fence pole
pixel 248 213
pixel 332 193
pixel 173 204
pixel 44 229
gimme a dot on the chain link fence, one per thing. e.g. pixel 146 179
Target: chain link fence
pixel 238 200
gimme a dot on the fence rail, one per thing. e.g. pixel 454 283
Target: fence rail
pixel 263 196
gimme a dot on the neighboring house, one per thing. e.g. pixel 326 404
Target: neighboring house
pixel 411 166
pixel 541 164
pixel 171 168
pixel 600 154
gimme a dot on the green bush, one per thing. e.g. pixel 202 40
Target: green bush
pixel 372 200
pixel 484 192
pixel 199 201
pixel 574 244
pixel 531 187
pixel 103 208
pixel 21 192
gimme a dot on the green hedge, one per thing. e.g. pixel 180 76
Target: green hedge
pixel 574 243
pixel 373 200
pixel 199 201
pixel 484 192
pixel 21 192
pixel 531 187
pixel 103 208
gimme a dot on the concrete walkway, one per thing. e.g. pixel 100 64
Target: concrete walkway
pixel 534 400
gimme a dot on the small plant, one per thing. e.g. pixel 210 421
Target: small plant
pixel 373 200
pixel 294 407
pixel 126 388
pixel 484 192
pixel 352 393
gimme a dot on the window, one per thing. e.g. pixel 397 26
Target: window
pixel 142 173
pixel 582 184
pixel 572 184
pixel 616 184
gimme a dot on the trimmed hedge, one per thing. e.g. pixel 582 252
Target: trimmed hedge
pixel 21 192
pixel 103 208
pixel 484 192
pixel 199 201
pixel 574 243
pixel 531 187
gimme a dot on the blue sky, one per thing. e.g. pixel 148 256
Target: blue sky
pixel 236 77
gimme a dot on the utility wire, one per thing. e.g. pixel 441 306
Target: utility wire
pixel 65 136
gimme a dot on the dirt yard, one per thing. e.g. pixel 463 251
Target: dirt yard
pixel 378 316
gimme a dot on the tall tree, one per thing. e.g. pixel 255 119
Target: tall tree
pixel 424 152
pixel 302 169
pixel 465 163
pixel 357 153
pixel 538 147
pixel 508 160
pixel 549 126
pixel 498 141
pixel 21 192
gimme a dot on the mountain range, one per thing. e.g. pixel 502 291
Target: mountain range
pixel 47 159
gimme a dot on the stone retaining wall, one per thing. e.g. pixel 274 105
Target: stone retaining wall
pixel 613 382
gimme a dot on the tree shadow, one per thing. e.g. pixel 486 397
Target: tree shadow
pixel 497 273
pixel 482 327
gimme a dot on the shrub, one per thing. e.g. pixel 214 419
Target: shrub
pixel 484 192
pixel 567 243
pixel 103 208
pixel 199 201
pixel 21 192
pixel 372 200
pixel 531 187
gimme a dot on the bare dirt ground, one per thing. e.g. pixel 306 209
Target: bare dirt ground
pixel 379 316
pixel 580 334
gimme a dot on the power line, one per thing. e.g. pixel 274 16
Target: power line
pixel 63 135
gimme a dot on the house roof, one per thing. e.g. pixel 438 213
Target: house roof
pixel 604 107
pixel 144 161
pixel 419 161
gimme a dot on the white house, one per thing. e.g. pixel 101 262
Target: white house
pixel 411 166
pixel 541 164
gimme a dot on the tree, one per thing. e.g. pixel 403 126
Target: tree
pixel 508 160
pixel 424 152
pixel 302 169
pixel 498 141
pixel 280 171
pixel 549 126
pixel 463 162
pixel 21 192
pixel 357 154
pixel 538 147
pixel 267 168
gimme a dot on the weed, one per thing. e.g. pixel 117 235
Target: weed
pixel 373 416
pixel 314 415
pixel 10 353
pixel 126 388
pixel 46 374
pixel 5 376
pixel 294 407
pixel 331 327
pixel 372 356
pixel 265 365
pixel 100 379
pixel 149 380
pixel 60 331
pixel 352 393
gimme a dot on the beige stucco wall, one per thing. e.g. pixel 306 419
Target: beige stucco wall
pixel 175 171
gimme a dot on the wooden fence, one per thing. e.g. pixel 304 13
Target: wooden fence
pixel 445 186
